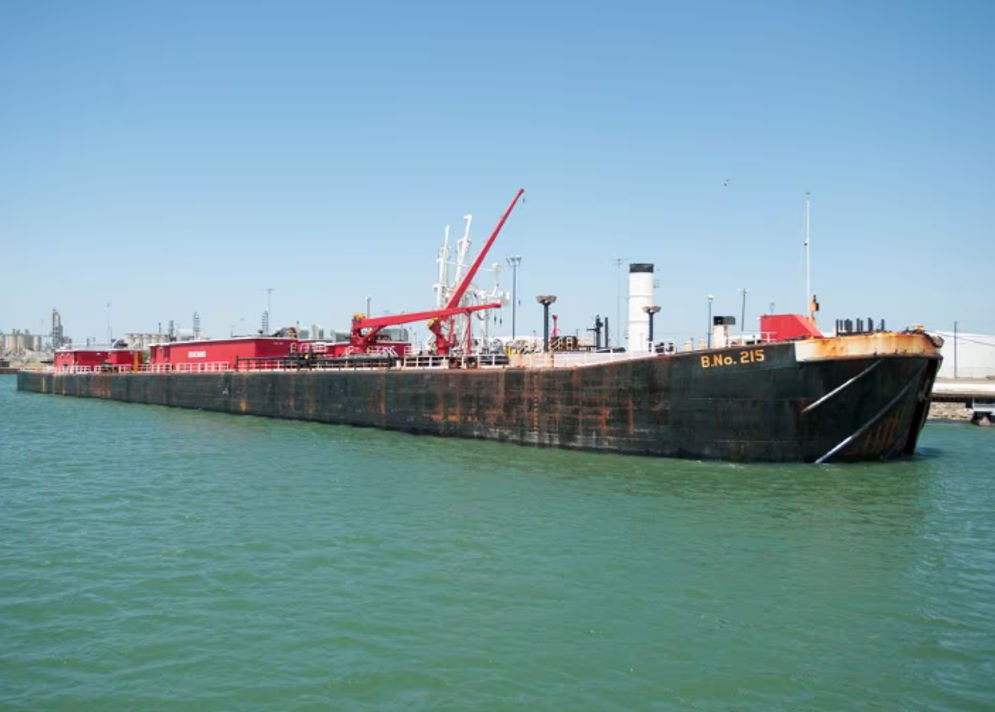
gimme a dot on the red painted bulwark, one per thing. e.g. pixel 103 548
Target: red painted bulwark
pixel 780 327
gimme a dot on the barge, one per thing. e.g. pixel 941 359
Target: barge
pixel 791 396
pixel 860 397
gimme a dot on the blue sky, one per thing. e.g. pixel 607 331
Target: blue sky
pixel 173 157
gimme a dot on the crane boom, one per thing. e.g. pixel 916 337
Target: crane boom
pixel 465 284
pixel 365 329
pixel 373 325
pixel 379 322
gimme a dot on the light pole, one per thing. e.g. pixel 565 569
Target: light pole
pixel 708 332
pixel 545 300
pixel 514 261
pixel 742 316
pixel 618 295
pixel 269 310
pixel 110 337
pixel 651 311
pixel 597 331
pixel 955 349
pixel 808 261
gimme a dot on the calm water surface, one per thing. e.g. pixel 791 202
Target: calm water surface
pixel 160 559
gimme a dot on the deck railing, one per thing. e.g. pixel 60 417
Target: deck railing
pixel 90 369
pixel 556 359
pixel 208 367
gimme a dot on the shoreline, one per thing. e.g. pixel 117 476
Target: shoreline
pixel 953 413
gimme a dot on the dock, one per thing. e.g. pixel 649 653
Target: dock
pixel 964 399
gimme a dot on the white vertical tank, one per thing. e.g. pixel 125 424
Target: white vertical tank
pixel 640 295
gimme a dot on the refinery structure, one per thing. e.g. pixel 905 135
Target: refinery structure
pixel 22 345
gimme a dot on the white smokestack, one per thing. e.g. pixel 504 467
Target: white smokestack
pixel 640 295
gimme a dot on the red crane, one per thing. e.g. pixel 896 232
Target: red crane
pixel 365 329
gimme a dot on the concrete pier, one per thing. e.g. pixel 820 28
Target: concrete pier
pixel 963 399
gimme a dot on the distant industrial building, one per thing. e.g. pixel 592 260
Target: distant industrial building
pixel 19 343
pixel 142 340
pixel 58 337
pixel 967 355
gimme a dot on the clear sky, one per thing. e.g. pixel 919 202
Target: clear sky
pixel 179 156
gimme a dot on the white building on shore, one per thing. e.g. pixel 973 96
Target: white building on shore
pixel 967 356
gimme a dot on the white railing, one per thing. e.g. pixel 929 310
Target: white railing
pixel 435 361
pixel 700 342
pixel 492 360
pixel 89 369
pixel 556 359
pixel 157 368
pixel 208 367
pixel 422 361
pixel 572 359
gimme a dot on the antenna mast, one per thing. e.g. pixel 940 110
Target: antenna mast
pixel 443 282
pixel 808 262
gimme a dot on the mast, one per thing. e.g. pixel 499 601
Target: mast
pixel 443 280
pixel 462 248
pixel 808 262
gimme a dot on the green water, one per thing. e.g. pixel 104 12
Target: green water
pixel 161 559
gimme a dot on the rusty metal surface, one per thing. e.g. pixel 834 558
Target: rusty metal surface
pixel 735 404
pixel 867 345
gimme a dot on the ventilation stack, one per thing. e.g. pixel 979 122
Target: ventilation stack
pixel 640 295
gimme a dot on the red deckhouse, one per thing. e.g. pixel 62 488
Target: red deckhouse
pixel 96 359
pixel 245 353
pixel 217 354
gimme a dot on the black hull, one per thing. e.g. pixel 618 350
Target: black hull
pixel 730 404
